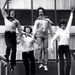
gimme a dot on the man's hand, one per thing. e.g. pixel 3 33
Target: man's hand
pixel 52 50
pixel 72 8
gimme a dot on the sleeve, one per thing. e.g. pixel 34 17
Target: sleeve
pixel 34 27
pixel 69 22
pixel 50 27
pixel 4 14
pixel 22 40
pixel 19 27
pixel 54 38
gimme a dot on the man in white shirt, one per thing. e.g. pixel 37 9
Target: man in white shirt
pixel 10 34
pixel 40 30
pixel 63 42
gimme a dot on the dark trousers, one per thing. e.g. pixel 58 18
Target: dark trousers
pixel 64 68
pixel 29 56
pixel 10 40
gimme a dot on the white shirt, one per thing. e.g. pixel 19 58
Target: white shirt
pixel 10 26
pixel 63 35
pixel 42 25
pixel 27 43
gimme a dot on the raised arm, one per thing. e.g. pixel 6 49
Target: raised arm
pixel 70 19
pixel 4 14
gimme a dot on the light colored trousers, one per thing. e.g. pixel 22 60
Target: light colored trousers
pixel 43 50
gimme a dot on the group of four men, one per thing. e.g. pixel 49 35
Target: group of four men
pixel 39 35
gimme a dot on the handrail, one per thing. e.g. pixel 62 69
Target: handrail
pixel 6 66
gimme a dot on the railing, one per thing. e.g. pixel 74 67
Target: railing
pixel 3 64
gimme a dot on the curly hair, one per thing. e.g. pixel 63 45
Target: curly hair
pixel 62 21
pixel 40 8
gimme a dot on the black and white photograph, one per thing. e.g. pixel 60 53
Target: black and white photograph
pixel 37 37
